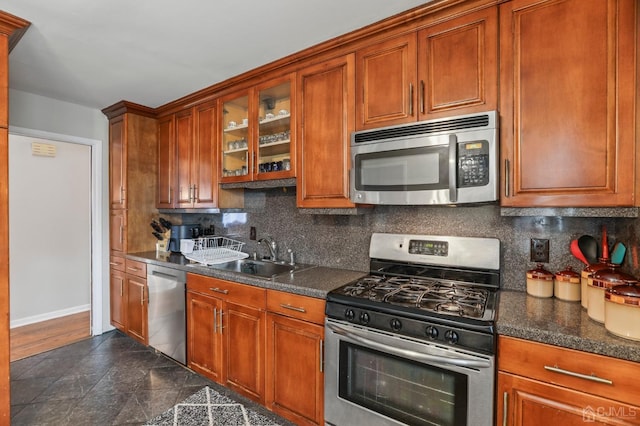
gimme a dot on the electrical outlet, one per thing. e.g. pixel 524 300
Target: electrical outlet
pixel 539 250
pixel 252 233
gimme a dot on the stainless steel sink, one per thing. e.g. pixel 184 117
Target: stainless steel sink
pixel 260 268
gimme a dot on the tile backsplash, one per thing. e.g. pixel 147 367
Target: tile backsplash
pixel 342 241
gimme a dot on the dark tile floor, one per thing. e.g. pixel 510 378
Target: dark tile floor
pixel 105 380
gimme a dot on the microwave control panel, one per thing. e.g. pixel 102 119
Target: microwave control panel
pixel 473 164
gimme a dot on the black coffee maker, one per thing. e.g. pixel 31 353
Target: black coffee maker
pixel 182 232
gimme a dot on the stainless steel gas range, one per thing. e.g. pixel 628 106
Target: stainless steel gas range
pixel 414 342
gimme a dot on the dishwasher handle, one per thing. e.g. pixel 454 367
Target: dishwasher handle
pixel 165 275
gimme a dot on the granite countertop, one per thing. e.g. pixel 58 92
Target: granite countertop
pixel 315 281
pixel 559 323
pixel 549 321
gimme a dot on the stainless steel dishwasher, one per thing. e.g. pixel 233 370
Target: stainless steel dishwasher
pixel 166 309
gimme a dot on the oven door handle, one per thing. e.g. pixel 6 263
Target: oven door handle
pixel 409 353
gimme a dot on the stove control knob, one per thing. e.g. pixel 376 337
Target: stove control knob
pixel 451 336
pixel 350 314
pixel 395 324
pixel 364 318
pixel 432 332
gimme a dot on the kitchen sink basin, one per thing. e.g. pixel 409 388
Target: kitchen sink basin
pixel 260 268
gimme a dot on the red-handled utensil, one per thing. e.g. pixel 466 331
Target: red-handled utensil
pixel 575 251
pixel 605 245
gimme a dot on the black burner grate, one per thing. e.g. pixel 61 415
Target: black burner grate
pixel 422 294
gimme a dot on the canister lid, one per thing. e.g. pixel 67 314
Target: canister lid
pixel 594 267
pixel 568 275
pixel 540 273
pixel 628 294
pixel 611 277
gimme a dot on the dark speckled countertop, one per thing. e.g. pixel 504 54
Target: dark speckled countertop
pixel 559 323
pixel 316 281
pixel 550 321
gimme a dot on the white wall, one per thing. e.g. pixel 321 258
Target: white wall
pixel 49 230
pixel 49 115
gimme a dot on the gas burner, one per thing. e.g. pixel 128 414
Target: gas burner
pixel 450 307
pixel 460 293
pixel 398 280
pixel 414 288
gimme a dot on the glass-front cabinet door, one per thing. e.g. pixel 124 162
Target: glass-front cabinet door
pixel 274 150
pixel 236 138
pixel 257 133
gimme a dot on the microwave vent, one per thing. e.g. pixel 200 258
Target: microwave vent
pixel 423 128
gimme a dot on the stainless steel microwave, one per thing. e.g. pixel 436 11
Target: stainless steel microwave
pixel 452 160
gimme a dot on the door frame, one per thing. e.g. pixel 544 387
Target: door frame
pixel 97 262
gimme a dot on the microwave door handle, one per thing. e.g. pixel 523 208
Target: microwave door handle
pixel 406 353
pixel 453 168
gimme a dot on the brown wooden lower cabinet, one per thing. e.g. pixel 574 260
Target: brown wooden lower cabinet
pixel 540 384
pixel 128 297
pixel 137 323
pixel 295 351
pixel 296 381
pixel 225 333
pixel 531 402
pixel 204 344
pixel 117 299
pixel 265 344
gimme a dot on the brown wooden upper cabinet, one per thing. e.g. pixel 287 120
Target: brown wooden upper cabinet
pixel 132 169
pixel 187 158
pixel 117 163
pixel 326 120
pixel 258 132
pixel 445 69
pixel 567 83
pixel 166 162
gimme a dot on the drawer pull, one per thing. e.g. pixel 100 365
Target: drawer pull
pixel 218 290
pixel 293 308
pixel 115 263
pixel 593 378
pixel 133 269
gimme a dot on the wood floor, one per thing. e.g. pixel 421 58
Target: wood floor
pixel 36 338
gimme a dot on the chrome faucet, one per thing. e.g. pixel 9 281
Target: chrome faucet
pixel 272 246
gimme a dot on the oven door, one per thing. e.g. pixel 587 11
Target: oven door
pixel 376 378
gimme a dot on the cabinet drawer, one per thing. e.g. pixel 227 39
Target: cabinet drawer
pixel 242 294
pixel 116 263
pixel 133 267
pixel 296 306
pixel 555 365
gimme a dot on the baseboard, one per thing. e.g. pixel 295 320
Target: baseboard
pixel 49 316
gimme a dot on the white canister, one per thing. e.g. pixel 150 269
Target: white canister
pixel 539 282
pixel 586 276
pixel 622 311
pixel 566 285
pixel 601 281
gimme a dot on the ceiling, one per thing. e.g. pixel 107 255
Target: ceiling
pixel 151 52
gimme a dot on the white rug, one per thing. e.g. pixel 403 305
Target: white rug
pixel 208 407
